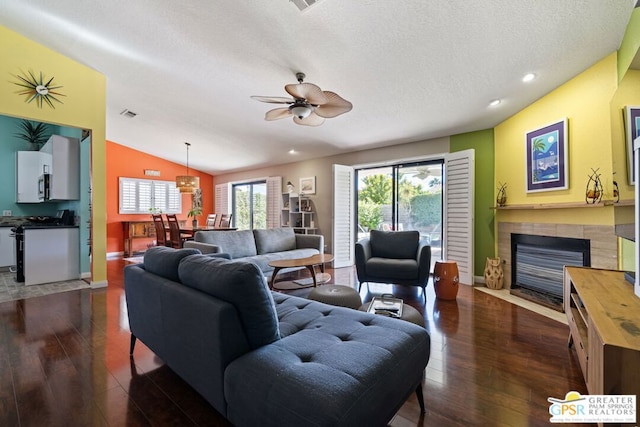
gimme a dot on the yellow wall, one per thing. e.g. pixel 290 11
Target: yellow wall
pixel 83 107
pixel 585 102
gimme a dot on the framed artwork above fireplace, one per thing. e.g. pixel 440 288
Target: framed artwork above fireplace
pixel 547 157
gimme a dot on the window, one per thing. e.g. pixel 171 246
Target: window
pixel 405 196
pixel 142 196
pixel 250 205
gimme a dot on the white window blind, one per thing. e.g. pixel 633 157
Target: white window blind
pixel 458 212
pixel 140 196
pixel 343 216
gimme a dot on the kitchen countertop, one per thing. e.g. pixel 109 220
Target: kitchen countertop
pixel 46 226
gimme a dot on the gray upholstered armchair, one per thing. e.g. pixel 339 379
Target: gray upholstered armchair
pixel 398 257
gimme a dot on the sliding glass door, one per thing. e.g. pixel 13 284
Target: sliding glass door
pixel 249 205
pixel 405 196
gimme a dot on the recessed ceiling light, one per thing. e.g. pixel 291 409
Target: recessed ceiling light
pixel 528 77
pixel 494 103
pixel 292 151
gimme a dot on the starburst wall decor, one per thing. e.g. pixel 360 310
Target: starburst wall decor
pixel 38 89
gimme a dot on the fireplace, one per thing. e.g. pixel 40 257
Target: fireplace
pixel 537 265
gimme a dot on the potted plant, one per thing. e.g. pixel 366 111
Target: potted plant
pixel 194 213
pixel 36 134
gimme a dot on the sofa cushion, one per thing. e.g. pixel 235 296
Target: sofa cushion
pixel 241 284
pixel 274 240
pixel 238 243
pixel 163 261
pixel 394 244
pixel 348 365
pixel 401 269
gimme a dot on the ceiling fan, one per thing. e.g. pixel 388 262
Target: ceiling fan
pixel 309 106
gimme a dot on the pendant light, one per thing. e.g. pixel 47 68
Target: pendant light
pixel 187 183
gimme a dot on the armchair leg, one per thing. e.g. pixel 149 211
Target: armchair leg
pixel 420 398
pixel 132 344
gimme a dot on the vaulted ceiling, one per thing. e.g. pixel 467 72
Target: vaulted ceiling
pixel 414 70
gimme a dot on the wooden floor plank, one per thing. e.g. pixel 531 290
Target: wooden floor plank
pixel 64 359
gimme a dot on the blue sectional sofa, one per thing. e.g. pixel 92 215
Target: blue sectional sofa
pixel 264 358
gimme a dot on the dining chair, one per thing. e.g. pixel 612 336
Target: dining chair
pixel 225 220
pixel 211 220
pixel 161 232
pixel 176 238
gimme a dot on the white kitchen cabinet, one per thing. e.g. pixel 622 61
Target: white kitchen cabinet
pixel 51 254
pixel 29 167
pixel 64 167
pixel 7 247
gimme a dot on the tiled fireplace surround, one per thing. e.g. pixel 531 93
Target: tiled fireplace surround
pixel 603 240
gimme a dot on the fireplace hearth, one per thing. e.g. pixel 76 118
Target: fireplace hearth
pixel 537 266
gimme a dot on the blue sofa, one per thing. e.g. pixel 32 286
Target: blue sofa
pixel 260 246
pixel 264 358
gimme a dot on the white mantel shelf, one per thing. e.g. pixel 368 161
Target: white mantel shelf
pixel 567 205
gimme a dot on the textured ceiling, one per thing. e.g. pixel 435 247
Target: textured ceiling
pixel 414 69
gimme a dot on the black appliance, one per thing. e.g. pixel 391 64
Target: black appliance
pixel 19 235
pixel 65 217
pixel 44 186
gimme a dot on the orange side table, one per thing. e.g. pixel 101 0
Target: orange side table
pixel 445 280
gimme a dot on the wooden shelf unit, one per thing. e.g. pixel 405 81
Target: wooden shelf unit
pixel 297 213
pixel 604 328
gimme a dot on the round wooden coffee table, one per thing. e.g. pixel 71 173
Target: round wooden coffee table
pixel 309 262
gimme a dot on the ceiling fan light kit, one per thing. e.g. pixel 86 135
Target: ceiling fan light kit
pixel 310 105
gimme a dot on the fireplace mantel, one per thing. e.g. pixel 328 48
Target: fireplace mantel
pixel 565 205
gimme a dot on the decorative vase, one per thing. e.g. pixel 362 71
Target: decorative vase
pixel 501 198
pixel 493 273
pixel 194 223
pixel 446 280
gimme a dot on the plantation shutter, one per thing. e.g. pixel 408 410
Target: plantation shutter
pixel 343 241
pixel 139 196
pixel 458 212
pixel 274 199
pixel 222 195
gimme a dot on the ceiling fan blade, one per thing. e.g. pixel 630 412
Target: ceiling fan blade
pixel 312 120
pixel 312 93
pixel 277 113
pixel 274 99
pixel 334 106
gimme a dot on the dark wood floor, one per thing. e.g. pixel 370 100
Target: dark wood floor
pixel 64 362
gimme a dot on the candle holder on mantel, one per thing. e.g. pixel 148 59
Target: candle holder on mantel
pixel 593 193
pixel 501 198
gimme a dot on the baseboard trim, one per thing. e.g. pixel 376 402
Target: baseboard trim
pixel 99 284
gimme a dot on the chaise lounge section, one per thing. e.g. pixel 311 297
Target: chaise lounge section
pixel 263 358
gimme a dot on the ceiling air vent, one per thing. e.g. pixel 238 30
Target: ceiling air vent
pixel 304 4
pixel 128 113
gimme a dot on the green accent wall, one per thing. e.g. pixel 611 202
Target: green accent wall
pixel 630 44
pixel 484 230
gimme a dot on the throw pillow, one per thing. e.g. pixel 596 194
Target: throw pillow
pixel 241 284
pixel 163 261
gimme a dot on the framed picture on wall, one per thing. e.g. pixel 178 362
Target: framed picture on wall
pixel 632 131
pixel 308 185
pixel 547 157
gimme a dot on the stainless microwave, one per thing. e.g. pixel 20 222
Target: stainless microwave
pixel 44 186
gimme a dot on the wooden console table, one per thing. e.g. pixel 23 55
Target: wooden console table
pixel 604 328
pixel 138 230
